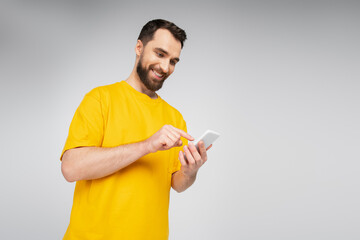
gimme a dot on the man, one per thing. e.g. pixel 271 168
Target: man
pixel 123 148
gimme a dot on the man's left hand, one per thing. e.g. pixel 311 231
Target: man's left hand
pixel 194 158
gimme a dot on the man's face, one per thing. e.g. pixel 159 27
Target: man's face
pixel 158 59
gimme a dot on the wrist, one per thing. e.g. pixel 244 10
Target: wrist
pixel 188 175
pixel 146 146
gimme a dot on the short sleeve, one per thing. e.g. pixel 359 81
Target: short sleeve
pixel 87 126
pixel 177 163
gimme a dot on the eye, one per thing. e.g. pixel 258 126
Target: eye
pixel 172 62
pixel 159 54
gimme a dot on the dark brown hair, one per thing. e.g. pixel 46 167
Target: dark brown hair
pixel 148 30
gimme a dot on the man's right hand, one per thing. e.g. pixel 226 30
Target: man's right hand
pixel 167 137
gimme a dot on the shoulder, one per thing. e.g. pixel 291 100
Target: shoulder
pixel 170 107
pixel 102 93
pixel 173 110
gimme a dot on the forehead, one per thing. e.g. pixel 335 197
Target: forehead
pixel 165 40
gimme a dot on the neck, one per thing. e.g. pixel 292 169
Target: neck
pixel 134 81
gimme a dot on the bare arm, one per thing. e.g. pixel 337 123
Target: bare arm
pixel 180 181
pixel 186 176
pixel 87 163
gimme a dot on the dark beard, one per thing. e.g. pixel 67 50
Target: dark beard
pixel 143 75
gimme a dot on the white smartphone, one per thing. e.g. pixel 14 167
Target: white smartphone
pixel 208 138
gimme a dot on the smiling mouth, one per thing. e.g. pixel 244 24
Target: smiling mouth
pixel 158 75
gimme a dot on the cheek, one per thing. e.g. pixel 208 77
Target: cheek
pixel 147 60
pixel 151 58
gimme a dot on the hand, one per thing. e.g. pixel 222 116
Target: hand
pixel 167 137
pixel 194 158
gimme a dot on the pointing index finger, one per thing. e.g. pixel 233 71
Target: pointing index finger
pixel 184 134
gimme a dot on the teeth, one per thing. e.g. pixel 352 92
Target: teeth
pixel 157 74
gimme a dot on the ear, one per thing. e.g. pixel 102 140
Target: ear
pixel 139 48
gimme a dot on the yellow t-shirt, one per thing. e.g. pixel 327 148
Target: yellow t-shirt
pixel 133 202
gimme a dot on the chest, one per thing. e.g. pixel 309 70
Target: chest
pixel 129 121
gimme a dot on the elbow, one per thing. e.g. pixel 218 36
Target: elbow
pixel 66 172
pixel 176 184
pixel 67 169
pixel 178 190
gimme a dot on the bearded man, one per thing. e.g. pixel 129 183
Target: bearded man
pixel 127 147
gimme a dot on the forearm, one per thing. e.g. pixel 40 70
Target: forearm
pixel 180 181
pixel 87 163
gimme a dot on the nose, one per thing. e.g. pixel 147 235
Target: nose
pixel 164 65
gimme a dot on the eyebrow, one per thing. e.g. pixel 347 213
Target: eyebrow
pixel 165 52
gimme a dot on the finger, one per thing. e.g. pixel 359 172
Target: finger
pixel 175 138
pixel 209 147
pixel 179 143
pixel 201 146
pixel 202 151
pixel 166 142
pixel 182 159
pixel 172 137
pixel 171 131
pixel 183 134
pixel 195 153
pixel 188 155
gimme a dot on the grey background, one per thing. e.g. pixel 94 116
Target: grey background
pixel 278 79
